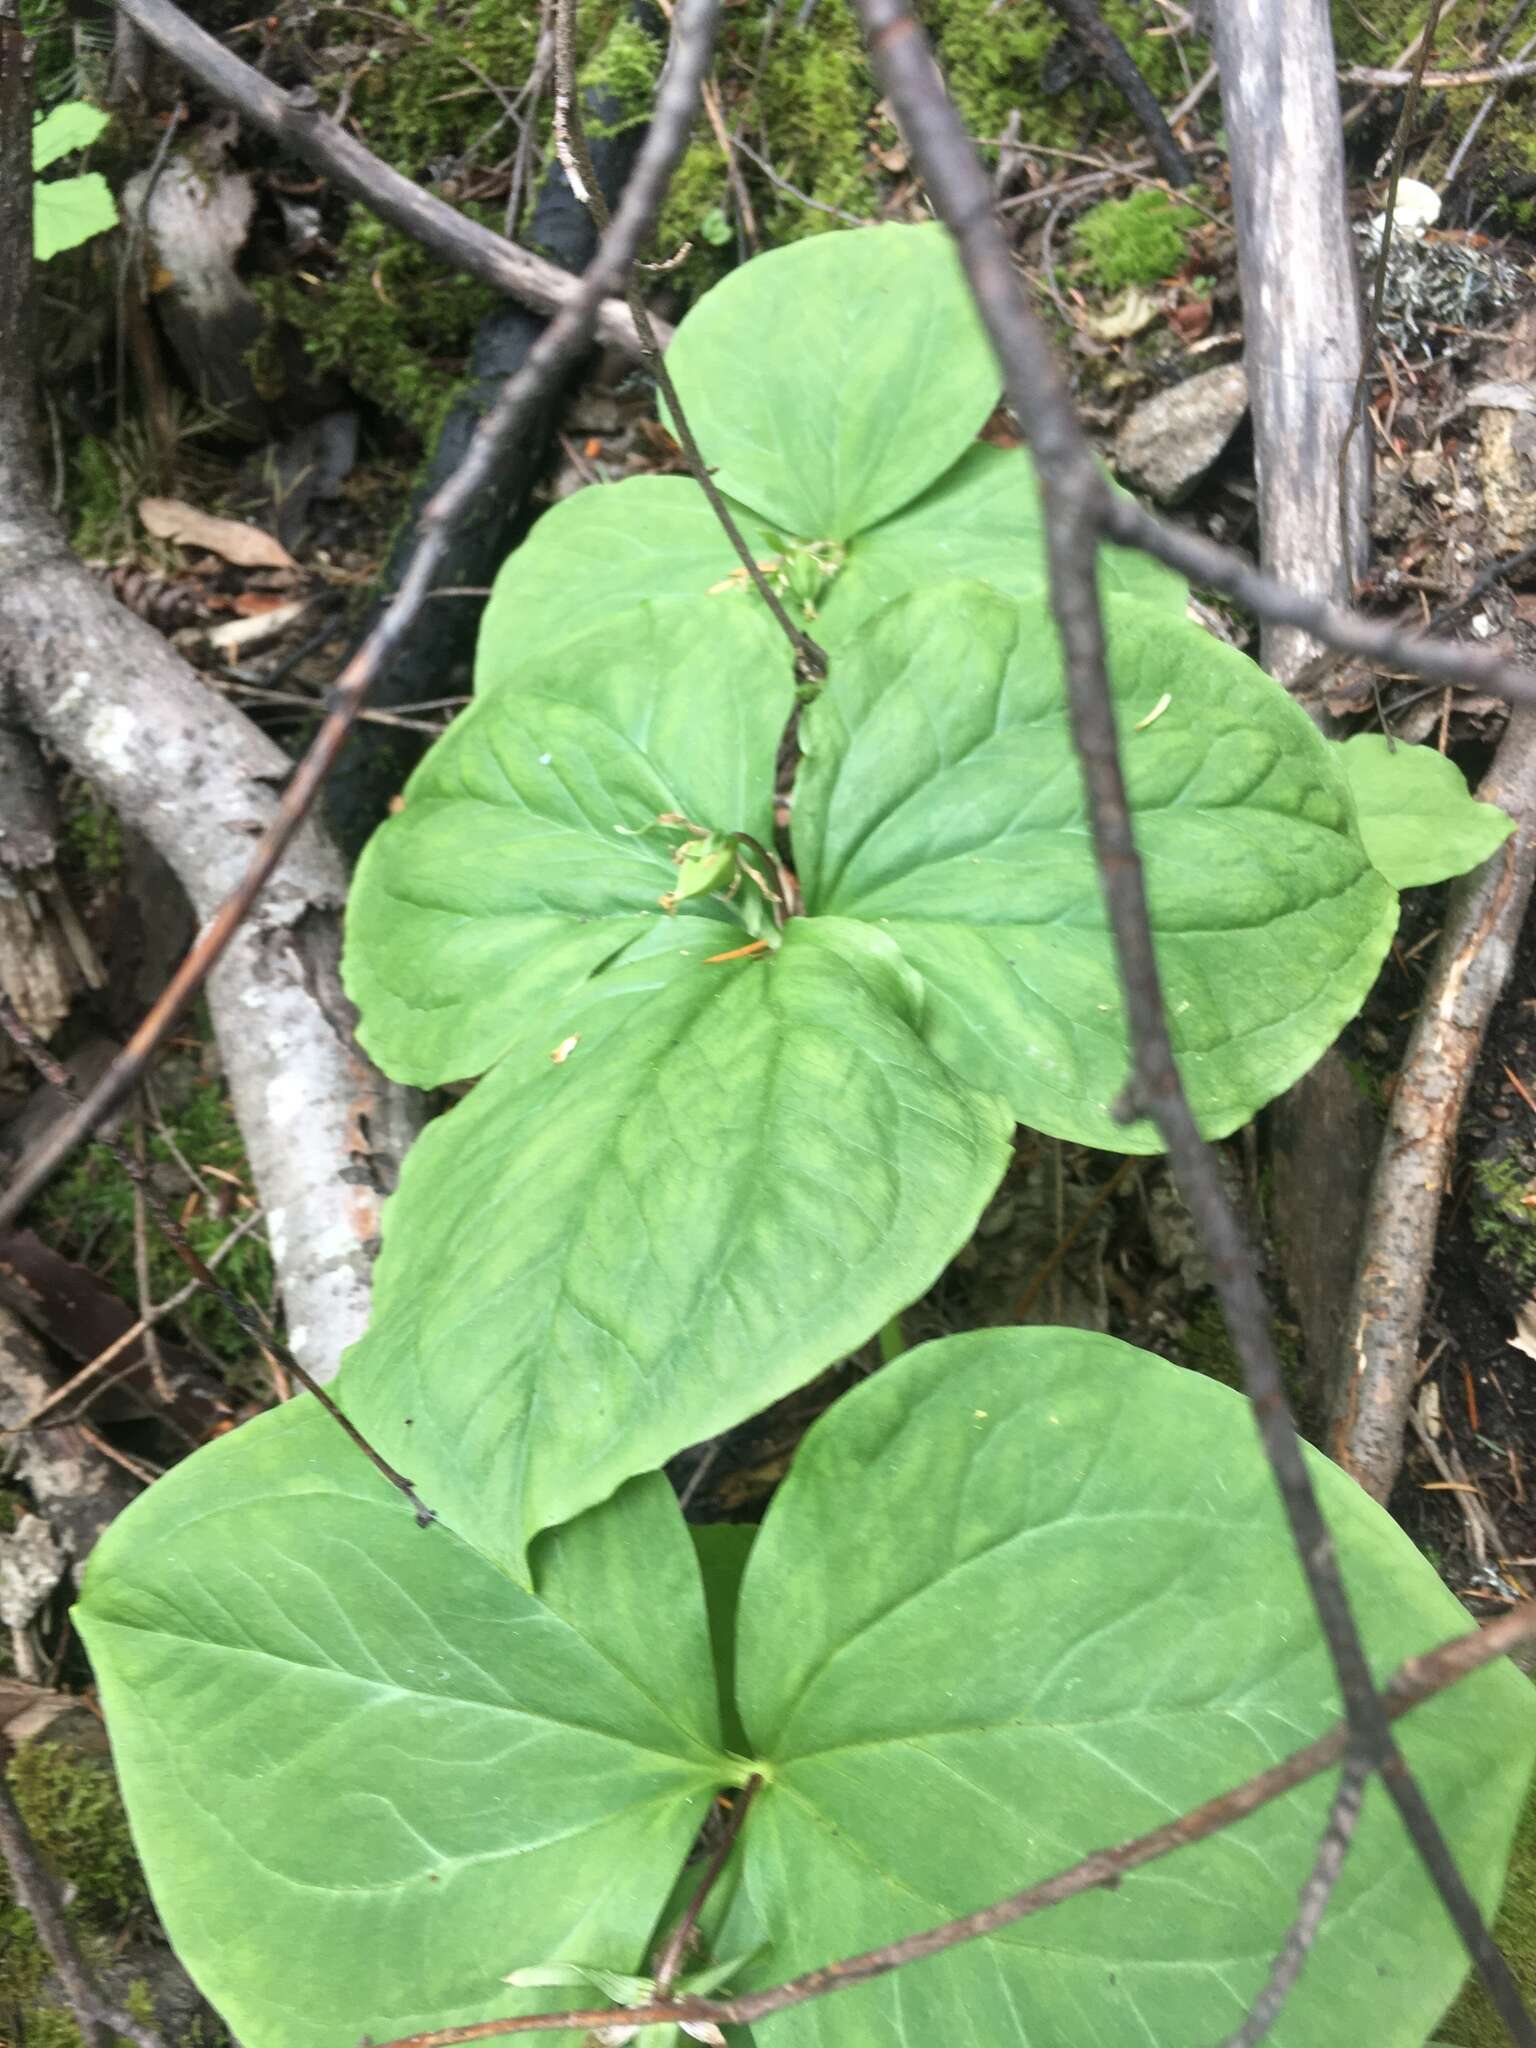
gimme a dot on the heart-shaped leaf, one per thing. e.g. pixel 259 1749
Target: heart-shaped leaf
pixel 367 1773
pixel 1071 1611
pixel 529 851
pixel 655 538
pixel 733 1173
pixel 1023 1595
pixel 618 546
pixel 982 521
pixel 941 802
pixel 1419 821
pixel 889 377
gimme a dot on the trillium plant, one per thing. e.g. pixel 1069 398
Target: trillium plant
pixel 748 1057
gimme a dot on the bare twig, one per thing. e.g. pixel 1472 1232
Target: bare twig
pixel 1351 632
pixel 567 333
pixel 673 1954
pixel 97 2019
pixel 1078 517
pixel 1328 1864
pixel 297 120
pixel 589 191
pixel 1374 1384
pixel 252 1320
pixel 1414 1682
pixel 1095 34
pixel 1440 81
pixel 1474 127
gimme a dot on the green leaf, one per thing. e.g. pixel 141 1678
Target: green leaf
pixel 941 802
pixel 882 377
pixel 528 852
pixel 981 521
pixel 723 1549
pixel 737 1173
pixel 602 552
pixel 68 211
pixel 1024 1595
pixel 368 1774
pixel 74 125
pixel 1419 822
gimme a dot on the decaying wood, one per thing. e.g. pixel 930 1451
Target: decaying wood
pixel 45 955
pixel 73 1487
pixel 1301 310
pixel 1477 950
pixel 325 1132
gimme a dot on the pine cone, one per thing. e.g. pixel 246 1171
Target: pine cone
pixel 167 602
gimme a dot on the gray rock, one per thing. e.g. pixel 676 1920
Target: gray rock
pixel 1172 438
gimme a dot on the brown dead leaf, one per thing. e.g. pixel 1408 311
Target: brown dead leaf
pixel 246 546
pixel 250 604
pixel 1192 320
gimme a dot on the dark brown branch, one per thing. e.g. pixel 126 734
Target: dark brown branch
pixel 1076 504
pixel 571 141
pixel 1327 1867
pixel 1374 640
pixel 566 335
pixel 97 2019
pixel 1095 34
pixel 677 1946
pixel 1414 1682
pixel 255 1324
pixel 297 120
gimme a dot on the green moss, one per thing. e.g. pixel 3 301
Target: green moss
pixel 1136 240
pixel 806 100
pixel 91 1205
pixel 98 514
pixel 75 1813
pixel 73 1809
pixel 624 71
pixel 1206 1348
pixel 90 838
pixel 1501 1222
pixel 432 102
pixel 1377 32
pixel 1472 2021
pixel 388 318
